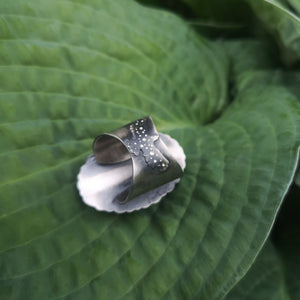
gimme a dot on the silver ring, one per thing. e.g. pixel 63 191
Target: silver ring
pixel 138 162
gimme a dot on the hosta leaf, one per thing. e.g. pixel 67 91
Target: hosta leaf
pixel 250 54
pixel 286 239
pixel 137 59
pixel 297 178
pixel 233 11
pixel 211 18
pixel 282 18
pixel 291 80
pixel 73 69
pixel 253 62
pixel 275 272
pixel 265 279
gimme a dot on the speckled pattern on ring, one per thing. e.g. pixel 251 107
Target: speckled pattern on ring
pixel 142 142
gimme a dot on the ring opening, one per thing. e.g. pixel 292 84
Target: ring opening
pixel 109 150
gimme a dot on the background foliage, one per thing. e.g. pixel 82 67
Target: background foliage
pixel 221 77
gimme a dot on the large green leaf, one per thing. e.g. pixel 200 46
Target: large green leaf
pixel 282 18
pixel 297 178
pixel 212 18
pixel 254 62
pixel 231 13
pixel 73 69
pixel 250 55
pixel 275 273
pixel 265 279
pixel 286 238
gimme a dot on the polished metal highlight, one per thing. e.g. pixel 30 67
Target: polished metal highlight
pixel 132 167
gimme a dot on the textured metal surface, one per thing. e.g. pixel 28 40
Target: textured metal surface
pixel 132 168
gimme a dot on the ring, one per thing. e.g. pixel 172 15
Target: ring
pixel 132 167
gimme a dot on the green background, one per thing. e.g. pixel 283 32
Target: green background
pixel 221 79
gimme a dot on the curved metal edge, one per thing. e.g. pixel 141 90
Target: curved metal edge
pixel 156 194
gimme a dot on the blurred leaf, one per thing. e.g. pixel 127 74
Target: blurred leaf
pixel 286 238
pixel 255 62
pixel 275 272
pixel 250 54
pixel 282 18
pixel 73 69
pixel 212 18
pixel 225 11
pixel 297 178
pixel 265 279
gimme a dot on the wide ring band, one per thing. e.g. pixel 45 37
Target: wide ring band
pixel 150 162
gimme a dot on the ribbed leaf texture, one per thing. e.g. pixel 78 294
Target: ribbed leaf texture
pixel 71 70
